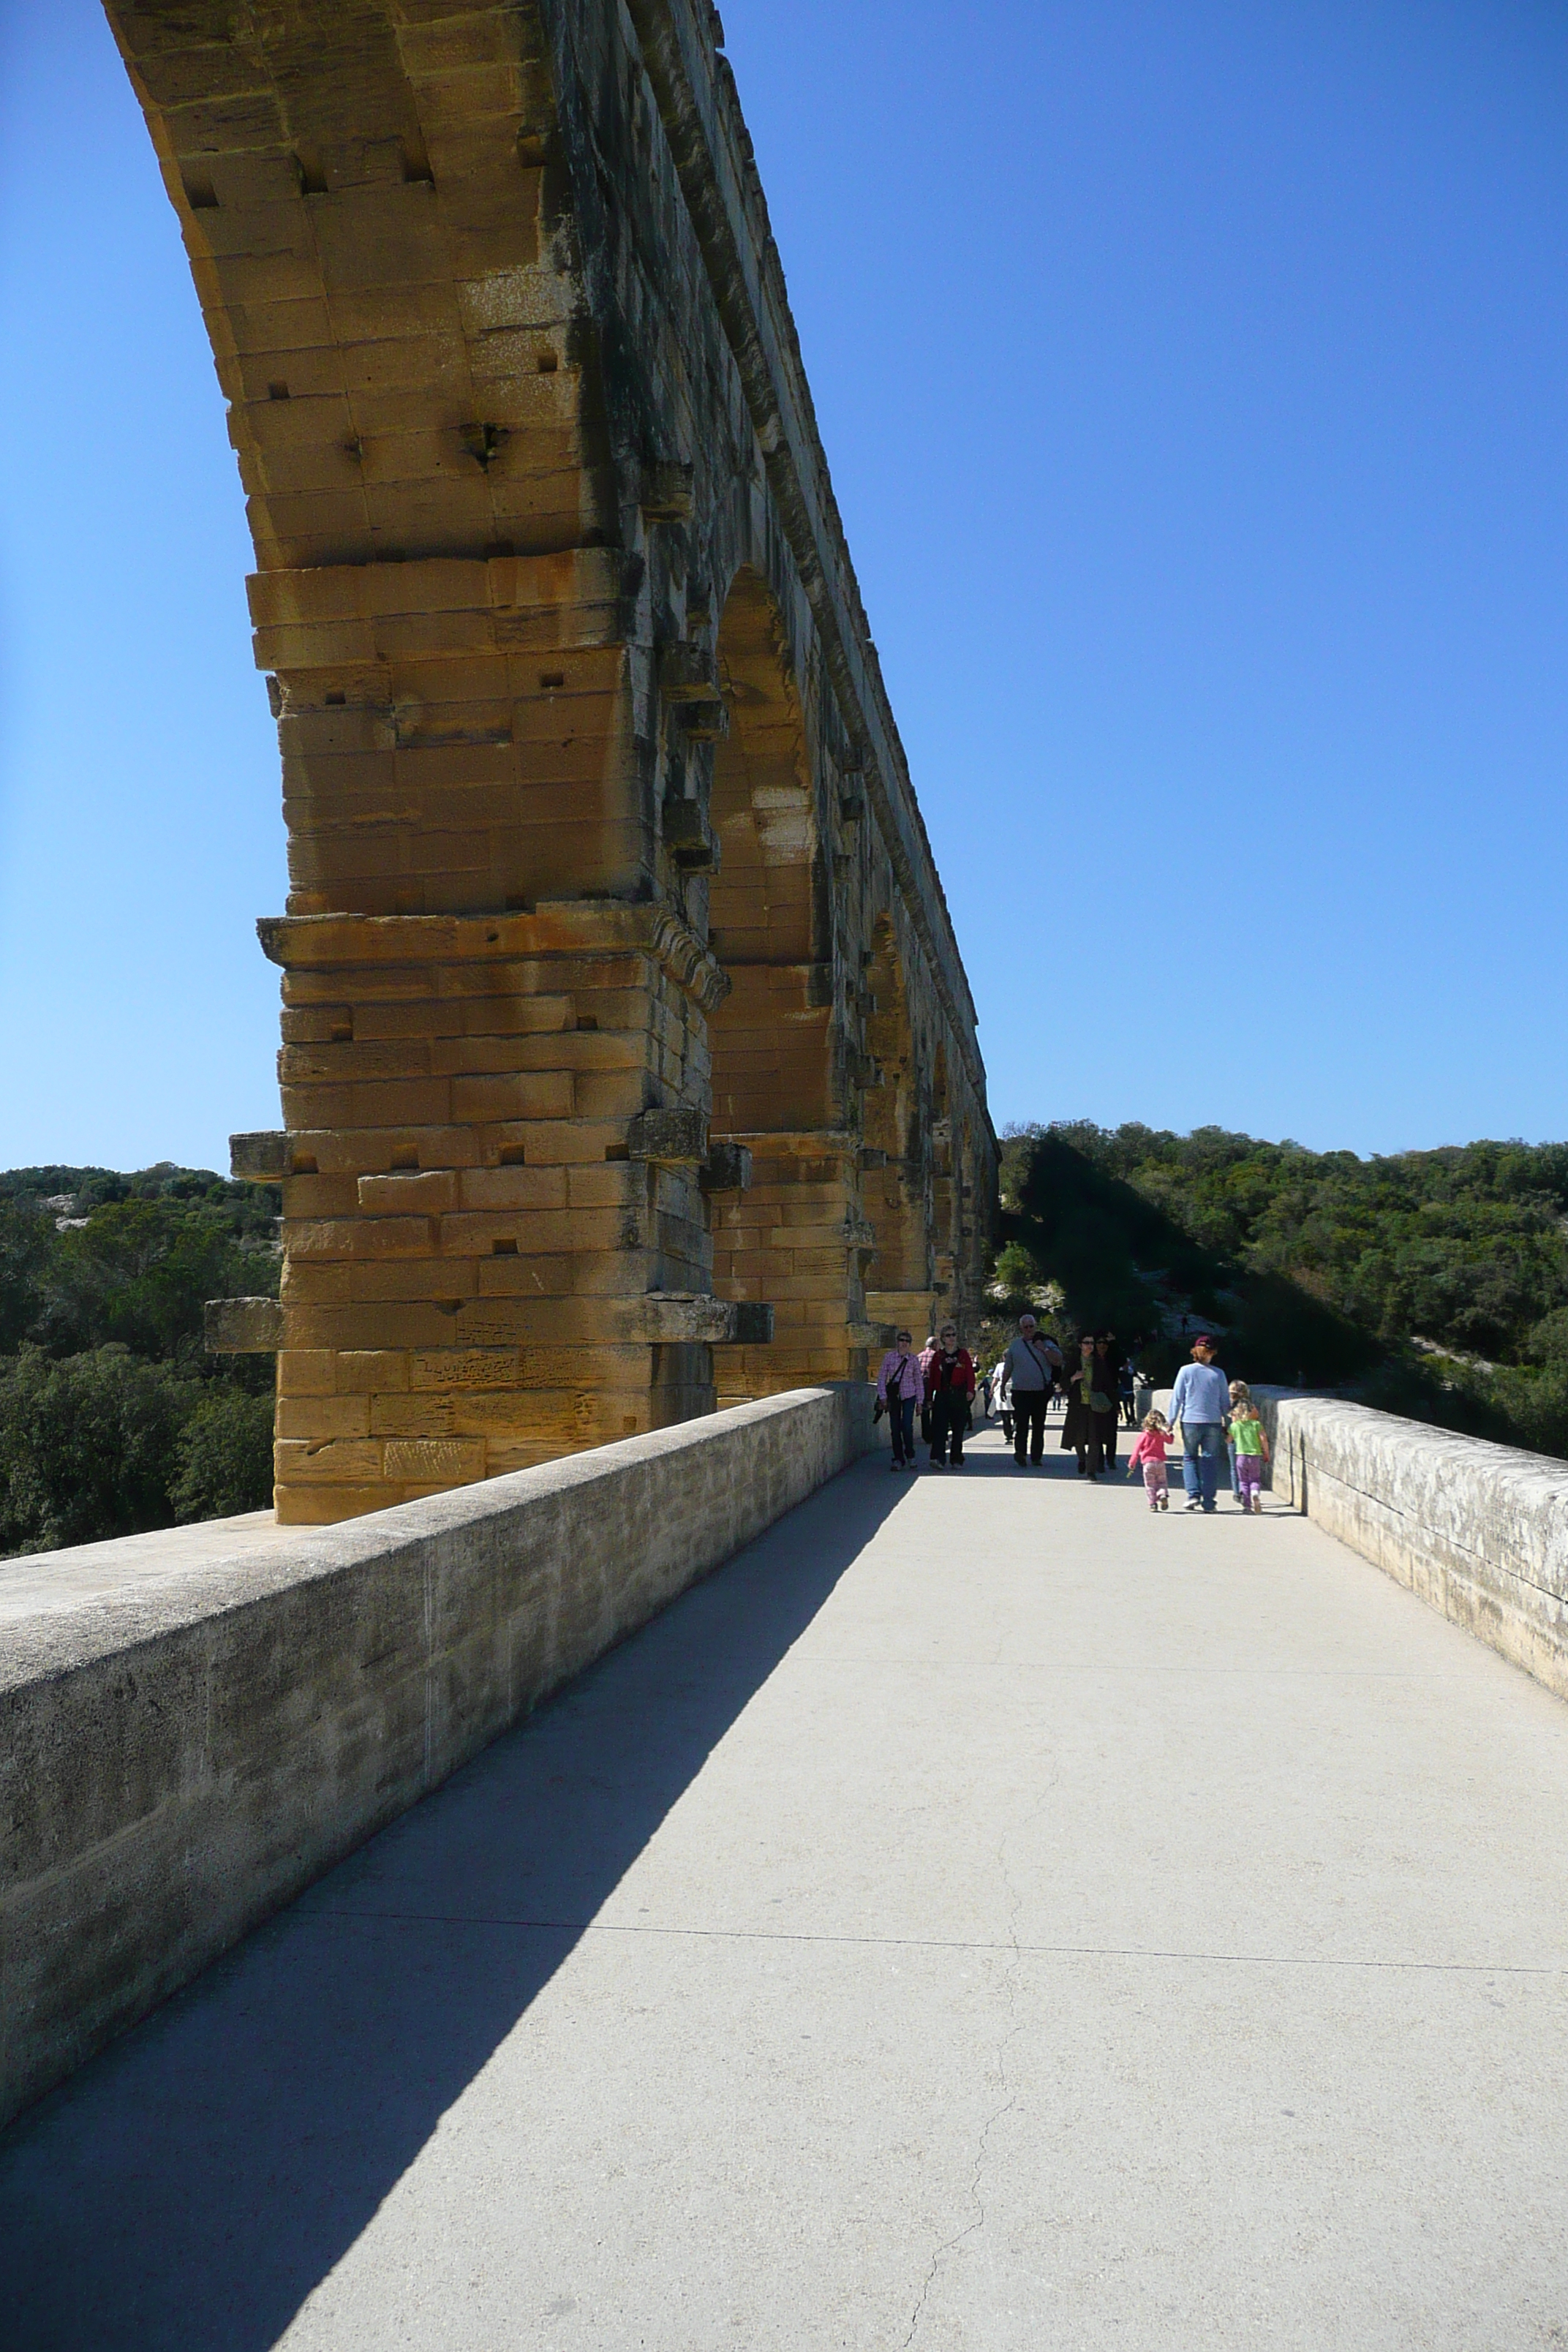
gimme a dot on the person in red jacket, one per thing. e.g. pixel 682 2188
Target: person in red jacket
pixel 950 1391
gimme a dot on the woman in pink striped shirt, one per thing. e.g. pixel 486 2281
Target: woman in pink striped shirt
pixel 901 1387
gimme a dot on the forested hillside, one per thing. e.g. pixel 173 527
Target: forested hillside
pixel 112 1416
pixel 1433 1282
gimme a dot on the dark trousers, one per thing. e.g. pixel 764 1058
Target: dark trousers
pixel 949 1415
pixel 901 1423
pixel 1095 1439
pixel 1029 1424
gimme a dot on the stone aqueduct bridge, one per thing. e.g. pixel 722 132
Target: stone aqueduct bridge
pixel 621 1002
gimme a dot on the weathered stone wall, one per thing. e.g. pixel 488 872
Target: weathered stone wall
pixel 595 803
pixel 197 1724
pixel 1479 1531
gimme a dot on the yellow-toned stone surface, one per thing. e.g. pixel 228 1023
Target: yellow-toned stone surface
pixel 596 806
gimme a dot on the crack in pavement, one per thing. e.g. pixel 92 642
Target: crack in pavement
pixel 1015 2026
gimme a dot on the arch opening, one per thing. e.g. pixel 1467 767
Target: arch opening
pixel 897 1268
pixel 787 1239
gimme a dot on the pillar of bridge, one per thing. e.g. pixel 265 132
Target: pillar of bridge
pixel 497 436
pixel 489 973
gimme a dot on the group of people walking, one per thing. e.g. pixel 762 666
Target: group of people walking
pixel 1216 1416
pixel 1098 1390
pixel 939 1385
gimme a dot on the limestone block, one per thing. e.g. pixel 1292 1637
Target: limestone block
pixel 318 1417
pixel 242 1326
pixel 664 491
pixel 690 838
pixel 259 1158
pixel 435 1461
pixel 664 1317
pixel 367 1371
pixel 343 1460
pixel 687 674
pixel 428 1192
pixel 668 1138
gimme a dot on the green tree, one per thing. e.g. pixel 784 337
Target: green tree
pixel 139 1273
pixel 223 1456
pixel 24 1239
pixel 88 1447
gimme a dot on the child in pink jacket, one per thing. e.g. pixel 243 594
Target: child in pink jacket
pixel 1149 1455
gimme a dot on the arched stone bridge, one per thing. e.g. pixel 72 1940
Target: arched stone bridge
pixel 629 1056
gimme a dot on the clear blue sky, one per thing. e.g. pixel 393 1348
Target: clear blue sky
pixel 1194 379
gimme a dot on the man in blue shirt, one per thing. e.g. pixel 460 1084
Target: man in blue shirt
pixel 1200 1400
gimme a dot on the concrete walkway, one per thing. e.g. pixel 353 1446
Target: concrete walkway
pixel 984 1916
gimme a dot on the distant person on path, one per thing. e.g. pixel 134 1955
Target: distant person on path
pixel 927 1357
pixel 1251 1442
pixel 951 1390
pixel 1126 1382
pixel 901 1386
pixel 1148 1454
pixel 1026 1380
pixel 1200 1402
pixel 1059 1368
pixel 1083 1431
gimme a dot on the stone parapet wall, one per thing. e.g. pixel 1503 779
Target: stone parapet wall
pixel 197 1724
pixel 1479 1531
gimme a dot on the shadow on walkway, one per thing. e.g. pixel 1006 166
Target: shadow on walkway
pixel 192 2185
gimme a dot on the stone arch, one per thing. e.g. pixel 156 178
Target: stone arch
pixel 504 438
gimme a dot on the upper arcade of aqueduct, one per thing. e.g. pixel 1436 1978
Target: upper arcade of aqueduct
pixel 628 1057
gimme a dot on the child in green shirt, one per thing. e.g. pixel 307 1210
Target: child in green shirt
pixel 1250 1439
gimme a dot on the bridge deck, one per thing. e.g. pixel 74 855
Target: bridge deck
pixel 982 1915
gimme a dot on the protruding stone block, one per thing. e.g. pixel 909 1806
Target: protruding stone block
pixel 259 1158
pixel 665 493
pixel 688 674
pixel 705 722
pixel 667 1317
pixel 670 1139
pixel 726 1168
pixel 690 838
pixel 242 1326
pixel 673 1317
